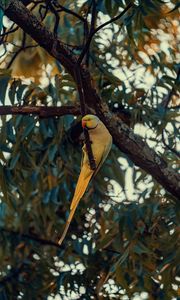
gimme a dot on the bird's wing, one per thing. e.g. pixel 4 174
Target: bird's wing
pixel 106 150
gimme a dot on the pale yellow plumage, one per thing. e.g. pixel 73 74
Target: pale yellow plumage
pixel 101 145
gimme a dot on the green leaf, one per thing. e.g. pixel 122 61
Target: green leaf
pixel 10 134
pixel 120 277
pixel 52 151
pixel 140 249
pixel 5 3
pixel 2 213
pixel 18 120
pixel 46 197
pixel 106 240
pixel 4 80
pixel 3 183
pixel 12 90
pixel 5 148
pixel 176 7
pixel 108 5
pixel 123 257
pixel 29 128
pixel 1 19
pixel 21 89
pixel 13 161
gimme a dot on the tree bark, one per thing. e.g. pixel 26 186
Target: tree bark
pixel 124 138
pixel 41 111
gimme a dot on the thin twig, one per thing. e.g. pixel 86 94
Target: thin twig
pixel 71 12
pixel 80 89
pixel 35 5
pixel 9 31
pixel 92 27
pixel 93 18
pixel 30 237
pixel 42 16
pixel 23 48
pixel 174 107
pixel 86 47
pixel 5 50
pixel 111 250
pixel 57 18
pixel 167 146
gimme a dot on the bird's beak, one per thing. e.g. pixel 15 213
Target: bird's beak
pixel 83 124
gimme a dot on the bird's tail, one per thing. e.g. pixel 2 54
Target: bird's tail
pixel 79 192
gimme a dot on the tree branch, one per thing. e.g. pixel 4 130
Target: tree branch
pixel 9 31
pixel 41 111
pixel 78 77
pixel 137 150
pixel 141 154
pixel 30 237
pixel 71 12
pixel 19 14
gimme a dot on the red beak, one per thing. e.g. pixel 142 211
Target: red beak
pixel 83 124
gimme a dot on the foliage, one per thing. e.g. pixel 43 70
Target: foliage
pixel 117 245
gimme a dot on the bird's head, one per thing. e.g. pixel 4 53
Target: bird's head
pixel 90 121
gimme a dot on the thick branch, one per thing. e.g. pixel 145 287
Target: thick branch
pixel 141 154
pixel 41 111
pixel 131 144
pixel 19 14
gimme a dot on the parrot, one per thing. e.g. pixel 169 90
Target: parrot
pixel 101 142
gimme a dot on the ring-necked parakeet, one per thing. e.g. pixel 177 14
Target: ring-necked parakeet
pixel 101 142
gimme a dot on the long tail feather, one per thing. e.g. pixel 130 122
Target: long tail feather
pixel 81 185
pixel 68 222
pixel 79 192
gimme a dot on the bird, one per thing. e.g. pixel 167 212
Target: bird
pixel 101 142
